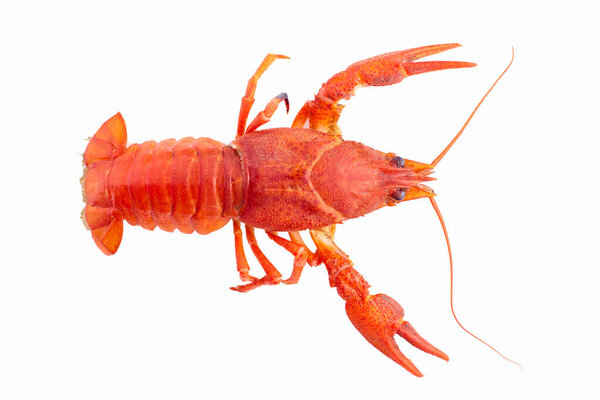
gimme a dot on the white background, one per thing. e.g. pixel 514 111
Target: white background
pixel 157 320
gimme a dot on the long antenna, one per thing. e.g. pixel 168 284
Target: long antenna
pixel 443 153
pixel 439 214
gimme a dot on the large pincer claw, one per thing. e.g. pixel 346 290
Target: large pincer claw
pixel 378 318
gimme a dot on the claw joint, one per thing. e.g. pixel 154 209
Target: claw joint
pixel 378 318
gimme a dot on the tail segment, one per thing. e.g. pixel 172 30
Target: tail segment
pixel 106 225
pixel 109 142
pixel 99 214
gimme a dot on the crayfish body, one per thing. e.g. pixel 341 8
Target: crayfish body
pixel 280 180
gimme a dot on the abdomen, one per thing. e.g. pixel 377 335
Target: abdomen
pixel 170 184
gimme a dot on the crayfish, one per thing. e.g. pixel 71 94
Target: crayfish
pixel 280 180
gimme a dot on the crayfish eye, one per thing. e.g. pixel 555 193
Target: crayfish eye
pixel 399 194
pixel 398 162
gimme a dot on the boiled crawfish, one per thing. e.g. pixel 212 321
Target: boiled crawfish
pixel 280 180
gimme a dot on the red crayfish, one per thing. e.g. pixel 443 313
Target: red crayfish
pixel 280 180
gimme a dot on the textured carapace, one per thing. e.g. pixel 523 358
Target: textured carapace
pixel 281 180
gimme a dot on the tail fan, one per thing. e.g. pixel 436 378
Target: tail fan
pixel 99 215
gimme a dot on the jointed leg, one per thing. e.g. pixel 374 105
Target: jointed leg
pixel 240 257
pixel 248 98
pixel 265 116
pixel 273 275
pixel 300 256
pixel 296 246
pixel 313 258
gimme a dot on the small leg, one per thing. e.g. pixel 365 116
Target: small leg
pixel 265 116
pixel 299 252
pixel 242 263
pixel 240 257
pixel 248 98
pixel 313 258
pixel 272 275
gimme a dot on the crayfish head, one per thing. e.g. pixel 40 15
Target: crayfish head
pixel 406 177
pixel 355 179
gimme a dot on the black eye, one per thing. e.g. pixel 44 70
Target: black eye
pixel 399 194
pixel 398 162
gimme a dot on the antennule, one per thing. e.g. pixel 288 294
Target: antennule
pixel 443 153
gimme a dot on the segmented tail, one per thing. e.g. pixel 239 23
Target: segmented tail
pixel 99 214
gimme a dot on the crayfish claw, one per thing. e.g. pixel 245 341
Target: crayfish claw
pixel 408 333
pixel 378 318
